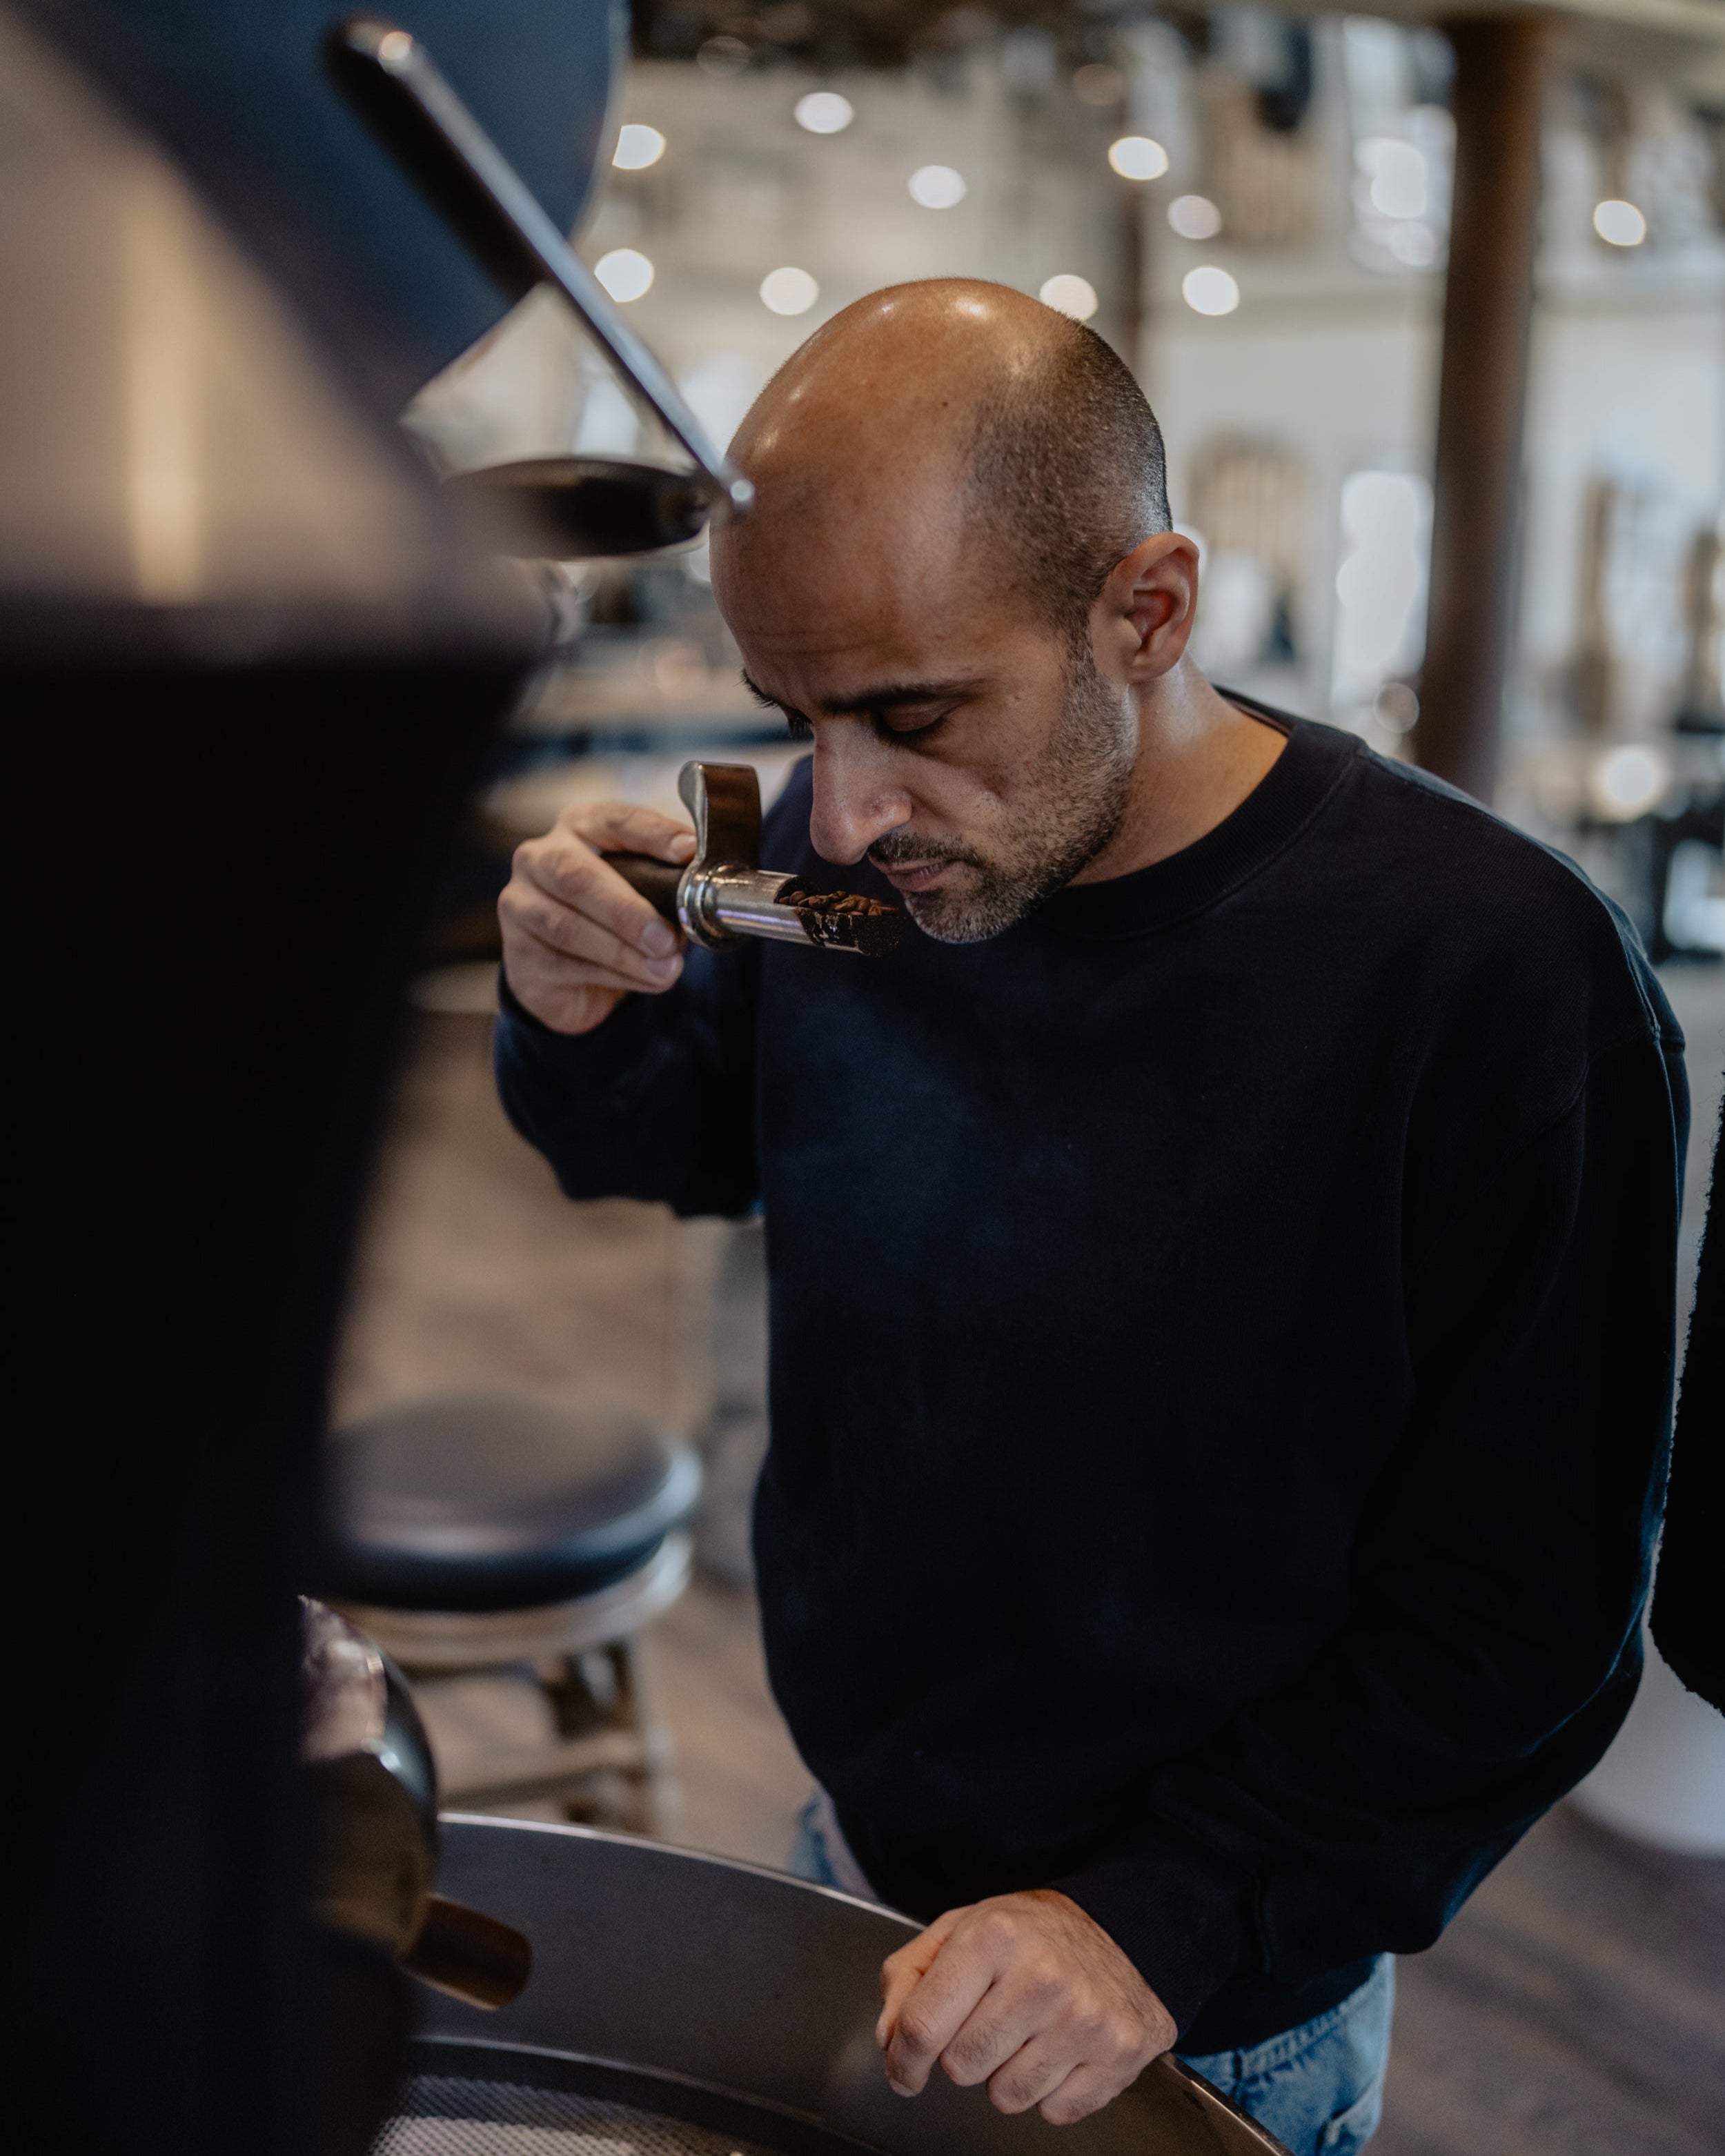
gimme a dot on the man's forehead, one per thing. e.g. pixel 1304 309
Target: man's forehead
pixel 882 524
pixel 847 588
pixel 880 515
pixel 846 659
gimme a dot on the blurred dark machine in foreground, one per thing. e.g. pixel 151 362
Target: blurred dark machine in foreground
pixel 251 660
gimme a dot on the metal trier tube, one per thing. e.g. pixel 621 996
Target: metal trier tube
pixel 724 894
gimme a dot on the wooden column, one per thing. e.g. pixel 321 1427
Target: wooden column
pixel 1488 298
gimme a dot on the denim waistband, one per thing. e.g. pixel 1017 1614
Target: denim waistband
pixel 1243 2062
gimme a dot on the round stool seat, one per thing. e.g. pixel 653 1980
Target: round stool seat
pixel 497 1501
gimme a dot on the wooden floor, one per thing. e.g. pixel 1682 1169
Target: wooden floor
pixel 1576 2007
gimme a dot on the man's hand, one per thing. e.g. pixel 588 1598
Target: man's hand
pixel 576 938
pixel 1026 1992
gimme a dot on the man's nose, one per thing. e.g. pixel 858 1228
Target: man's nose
pixel 856 801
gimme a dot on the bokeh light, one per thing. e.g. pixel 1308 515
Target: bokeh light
pixel 1067 295
pixel 789 291
pixel 825 112
pixel 638 146
pixel 1194 217
pixel 936 187
pixel 1137 157
pixel 624 273
pixel 1627 782
pixel 722 56
pixel 1208 290
pixel 1396 172
pixel 1396 708
pixel 1620 223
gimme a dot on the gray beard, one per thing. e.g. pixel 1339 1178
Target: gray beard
pixel 1077 799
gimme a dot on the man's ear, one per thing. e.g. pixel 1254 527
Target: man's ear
pixel 1143 617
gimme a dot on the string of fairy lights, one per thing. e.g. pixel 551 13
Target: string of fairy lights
pixel 628 274
pixel 1393 174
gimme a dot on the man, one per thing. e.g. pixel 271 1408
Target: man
pixel 1221 1271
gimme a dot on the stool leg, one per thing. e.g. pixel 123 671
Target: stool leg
pixel 662 1793
pixel 609 1693
pixel 582 1691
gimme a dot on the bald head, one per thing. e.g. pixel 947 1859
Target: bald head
pixel 966 411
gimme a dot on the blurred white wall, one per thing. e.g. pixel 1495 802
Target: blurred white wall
pixel 1627 385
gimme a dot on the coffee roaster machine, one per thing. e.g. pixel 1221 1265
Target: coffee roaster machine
pixel 251 657
pixel 628 1995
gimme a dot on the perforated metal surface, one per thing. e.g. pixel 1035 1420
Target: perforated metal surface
pixel 439 2115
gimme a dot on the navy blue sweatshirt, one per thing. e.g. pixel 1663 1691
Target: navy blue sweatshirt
pixel 1221 1352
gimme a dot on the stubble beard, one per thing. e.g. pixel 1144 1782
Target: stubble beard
pixel 1074 800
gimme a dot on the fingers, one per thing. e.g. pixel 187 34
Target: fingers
pixel 901 1972
pixel 614 827
pixel 1067 2071
pixel 1021 2006
pixel 1029 1993
pixel 1035 2071
pixel 564 868
pixel 576 937
pixel 565 897
pixel 531 963
pixel 645 956
pixel 568 998
pixel 1084 2090
pixel 937 2007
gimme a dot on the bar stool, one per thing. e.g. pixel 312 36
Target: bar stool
pixel 487 1532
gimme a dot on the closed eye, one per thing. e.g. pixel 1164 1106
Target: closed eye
pixel 902 722
pixel 905 711
pixel 796 725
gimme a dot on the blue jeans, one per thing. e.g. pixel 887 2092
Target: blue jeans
pixel 819 1853
pixel 1319 2088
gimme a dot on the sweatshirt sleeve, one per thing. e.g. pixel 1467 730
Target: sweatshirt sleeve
pixel 657 1102
pixel 1500 1567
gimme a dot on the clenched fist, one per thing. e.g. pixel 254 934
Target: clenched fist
pixel 576 938
pixel 1028 1993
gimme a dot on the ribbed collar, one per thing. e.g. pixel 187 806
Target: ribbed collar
pixel 1272 814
